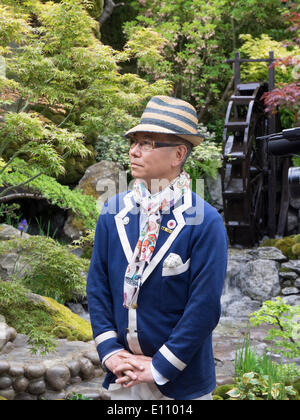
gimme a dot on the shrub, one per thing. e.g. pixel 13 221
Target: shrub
pixel 50 268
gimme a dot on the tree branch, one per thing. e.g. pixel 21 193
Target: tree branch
pixel 18 196
pixel 2 194
pixel 108 10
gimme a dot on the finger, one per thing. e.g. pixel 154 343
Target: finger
pixel 125 372
pixel 135 363
pixel 122 368
pixel 124 380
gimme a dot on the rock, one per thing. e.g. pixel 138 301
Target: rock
pixel 16 369
pixel 259 279
pixel 8 232
pixel 87 369
pixel 101 180
pixel 4 367
pixel 37 387
pixel 57 377
pixel 74 367
pixel 293 265
pixel 268 253
pixel 292 300
pixel 289 291
pixel 5 381
pixel 241 307
pixel 35 371
pixel 214 187
pixel 9 394
pixel 11 263
pixel 20 384
pixel 291 275
pixel 93 356
pixel 52 395
pixel 297 283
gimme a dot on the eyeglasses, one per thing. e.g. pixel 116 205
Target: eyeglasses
pixel 148 145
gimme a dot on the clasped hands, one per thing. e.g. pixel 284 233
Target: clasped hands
pixel 130 369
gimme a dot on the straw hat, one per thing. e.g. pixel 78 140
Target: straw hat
pixel 168 115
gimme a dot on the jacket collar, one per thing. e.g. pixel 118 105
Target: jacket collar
pixel 127 222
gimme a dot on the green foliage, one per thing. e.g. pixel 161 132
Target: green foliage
pixel 252 386
pixel 248 360
pixel 205 159
pixel 259 48
pixel 84 206
pixel 78 397
pixel 41 319
pixel 114 148
pixel 26 317
pixel 67 88
pixel 285 337
pixel 49 269
pixel 194 40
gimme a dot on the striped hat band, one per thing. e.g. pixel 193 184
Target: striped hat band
pixel 168 115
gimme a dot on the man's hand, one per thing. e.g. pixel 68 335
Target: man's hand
pixel 134 370
pixel 121 358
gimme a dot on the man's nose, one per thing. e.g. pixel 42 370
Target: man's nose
pixel 135 150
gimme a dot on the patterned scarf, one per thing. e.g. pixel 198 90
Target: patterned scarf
pixel 152 207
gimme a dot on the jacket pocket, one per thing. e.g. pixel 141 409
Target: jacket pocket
pixel 174 287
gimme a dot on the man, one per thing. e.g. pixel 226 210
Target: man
pixel 158 267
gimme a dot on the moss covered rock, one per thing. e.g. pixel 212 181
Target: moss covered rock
pixel 42 319
pixel 289 246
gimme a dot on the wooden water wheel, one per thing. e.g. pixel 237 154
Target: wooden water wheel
pixel 253 183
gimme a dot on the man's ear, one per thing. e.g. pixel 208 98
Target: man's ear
pixel 181 152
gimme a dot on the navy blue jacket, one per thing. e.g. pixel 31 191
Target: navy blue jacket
pixel 177 308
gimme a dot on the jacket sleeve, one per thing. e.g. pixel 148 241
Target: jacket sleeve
pixel 203 308
pixel 99 294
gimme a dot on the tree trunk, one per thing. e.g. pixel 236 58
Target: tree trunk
pixel 108 10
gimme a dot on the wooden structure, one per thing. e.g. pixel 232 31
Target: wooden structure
pixel 254 185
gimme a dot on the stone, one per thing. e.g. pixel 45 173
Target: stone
pixel 87 369
pixel 16 369
pixel 259 279
pixel 297 283
pixel 52 395
pixel 20 384
pixel 288 276
pixel 214 187
pixel 37 387
pixel 9 394
pixel 57 377
pixel 101 180
pixel 93 356
pixel 268 253
pixel 8 232
pixel 286 283
pixel 74 367
pixel 4 367
pixel 5 381
pixel 35 371
pixel 293 265
pixel 7 348
pixel 12 334
pixel 292 300
pixel 289 291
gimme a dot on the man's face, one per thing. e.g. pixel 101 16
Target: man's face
pixel 159 163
